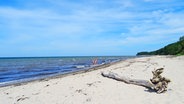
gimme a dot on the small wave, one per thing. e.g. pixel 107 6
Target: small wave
pixel 80 66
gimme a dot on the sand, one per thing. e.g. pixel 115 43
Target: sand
pixel 92 88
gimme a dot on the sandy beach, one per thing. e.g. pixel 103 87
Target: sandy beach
pixel 92 88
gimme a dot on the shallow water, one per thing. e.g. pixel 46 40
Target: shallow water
pixel 19 68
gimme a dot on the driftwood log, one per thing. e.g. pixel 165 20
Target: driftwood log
pixel 157 83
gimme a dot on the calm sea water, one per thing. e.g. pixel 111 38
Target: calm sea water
pixel 19 69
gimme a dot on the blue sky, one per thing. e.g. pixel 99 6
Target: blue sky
pixel 88 27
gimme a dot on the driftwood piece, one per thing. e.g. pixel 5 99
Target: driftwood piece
pixel 157 83
pixel 161 83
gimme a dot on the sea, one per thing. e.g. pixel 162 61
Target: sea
pixel 23 69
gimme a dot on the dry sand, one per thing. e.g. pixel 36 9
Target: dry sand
pixel 92 88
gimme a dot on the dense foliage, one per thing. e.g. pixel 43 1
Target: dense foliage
pixel 171 49
pixel 181 38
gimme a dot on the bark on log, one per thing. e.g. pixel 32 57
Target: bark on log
pixel 157 83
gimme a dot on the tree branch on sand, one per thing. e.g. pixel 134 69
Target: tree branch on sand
pixel 157 83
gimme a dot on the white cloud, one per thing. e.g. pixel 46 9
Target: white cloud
pixel 98 24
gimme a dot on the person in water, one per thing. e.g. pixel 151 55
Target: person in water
pixel 94 61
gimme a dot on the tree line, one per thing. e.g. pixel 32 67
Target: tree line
pixel 176 48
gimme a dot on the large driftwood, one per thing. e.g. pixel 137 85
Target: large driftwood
pixel 127 80
pixel 157 83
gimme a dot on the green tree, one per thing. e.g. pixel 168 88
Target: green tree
pixel 181 38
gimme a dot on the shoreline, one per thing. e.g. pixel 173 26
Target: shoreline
pixel 91 87
pixel 49 77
